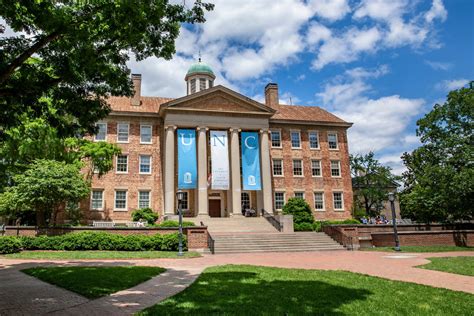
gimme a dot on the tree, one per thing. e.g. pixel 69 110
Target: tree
pixel 371 182
pixel 69 56
pixel 439 181
pixel 300 210
pixel 46 188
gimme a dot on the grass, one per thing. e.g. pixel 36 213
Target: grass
pixel 251 290
pixel 421 249
pixel 73 255
pixel 458 265
pixel 94 282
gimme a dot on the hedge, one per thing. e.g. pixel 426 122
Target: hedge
pixel 92 241
pixel 318 225
pixel 170 223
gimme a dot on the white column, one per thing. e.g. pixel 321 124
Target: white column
pixel 266 172
pixel 235 172
pixel 169 170
pixel 203 209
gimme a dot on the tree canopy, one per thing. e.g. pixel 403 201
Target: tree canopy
pixel 371 182
pixel 67 56
pixel 439 181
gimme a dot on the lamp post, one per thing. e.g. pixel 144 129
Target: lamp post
pixel 391 198
pixel 180 196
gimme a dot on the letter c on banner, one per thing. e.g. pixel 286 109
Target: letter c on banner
pixel 183 137
pixel 247 144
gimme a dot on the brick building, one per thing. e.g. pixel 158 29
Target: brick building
pixel 302 151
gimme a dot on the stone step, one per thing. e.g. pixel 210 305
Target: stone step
pixel 277 250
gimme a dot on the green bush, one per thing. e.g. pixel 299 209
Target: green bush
pixel 303 227
pixel 300 210
pixel 175 224
pixel 10 244
pixel 145 214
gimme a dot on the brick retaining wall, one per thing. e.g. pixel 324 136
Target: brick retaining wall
pixel 425 238
pixel 197 236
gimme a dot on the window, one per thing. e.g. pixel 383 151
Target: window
pixel 313 140
pixel 101 132
pixel 122 163
pixel 316 168
pixel 337 200
pixel 211 83
pixel 295 140
pixel 277 167
pixel 297 167
pixel 193 85
pixel 335 168
pixel 120 200
pixel 245 200
pixel 145 134
pixel 299 195
pixel 184 201
pixel 332 140
pixel 319 201
pixel 143 199
pixel 122 132
pixel 97 200
pixel 279 200
pixel 276 138
pixel 202 84
pixel 145 164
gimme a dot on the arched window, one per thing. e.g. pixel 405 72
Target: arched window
pixel 245 200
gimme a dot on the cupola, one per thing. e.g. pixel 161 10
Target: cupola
pixel 199 77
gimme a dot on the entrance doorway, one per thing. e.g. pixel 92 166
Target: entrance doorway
pixel 215 208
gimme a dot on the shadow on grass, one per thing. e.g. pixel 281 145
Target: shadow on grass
pixel 247 293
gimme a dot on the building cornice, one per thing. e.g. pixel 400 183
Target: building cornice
pixel 311 123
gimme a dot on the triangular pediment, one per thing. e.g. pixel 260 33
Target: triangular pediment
pixel 220 100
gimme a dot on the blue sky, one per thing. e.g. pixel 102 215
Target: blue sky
pixel 380 64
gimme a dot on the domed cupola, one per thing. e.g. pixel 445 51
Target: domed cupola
pixel 199 77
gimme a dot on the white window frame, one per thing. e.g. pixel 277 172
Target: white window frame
pixel 115 200
pixel 271 141
pixel 337 140
pixel 149 199
pixel 101 208
pixel 118 132
pixel 140 163
pixel 314 200
pixel 151 133
pixel 275 200
pixel 116 164
pixel 338 168
pixel 320 168
pixel 334 201
pixel 186 192
pixel 302 167
pixel 291 138
pixel 282 172
pixel 106 129
pixel 309 140
pixel 300 191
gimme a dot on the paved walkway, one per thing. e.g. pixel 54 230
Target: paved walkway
pixel 21 294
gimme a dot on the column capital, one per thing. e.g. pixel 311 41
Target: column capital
pixel 234 129
pixel 202 128
pixel 174 127
pixel 263 131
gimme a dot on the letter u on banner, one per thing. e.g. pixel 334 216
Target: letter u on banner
pixel 250 161
pixel 187 162
pixel 220 160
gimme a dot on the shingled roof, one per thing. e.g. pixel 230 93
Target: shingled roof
pixel 147 104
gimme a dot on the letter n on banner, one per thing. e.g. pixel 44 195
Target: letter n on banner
pixel 250 161
pixel 220 160
pixel 187 163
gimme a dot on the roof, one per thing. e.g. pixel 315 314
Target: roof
pixel 305 114
pixel 148 104
pixel 200 68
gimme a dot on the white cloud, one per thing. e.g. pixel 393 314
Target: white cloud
pixel 317 33
pixel 331 10
pixel 437 11
pixel 448 85
pixel 289 98
pixel 437 65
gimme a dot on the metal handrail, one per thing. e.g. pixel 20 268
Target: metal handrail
pixel 272 220
pixel 210 240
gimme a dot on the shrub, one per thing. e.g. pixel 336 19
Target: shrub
pixel 303 227
pixel 145 214
pixel 10 244
pixel 300 210
pixel 175 224
pixel 171 242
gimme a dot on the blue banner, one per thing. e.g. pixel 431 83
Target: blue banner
pixel 187 162
pixel 250 161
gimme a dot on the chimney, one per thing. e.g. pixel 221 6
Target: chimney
pixel 137 87
pixel 271 95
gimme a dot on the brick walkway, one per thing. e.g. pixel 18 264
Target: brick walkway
pixel 24 295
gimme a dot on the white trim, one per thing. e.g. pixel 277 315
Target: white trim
pixel 291 138
pixel 116 164
pixel 102 202
pixel 140 163
pixel 151 133
pixel 106 129
pixel 299 191
pixel 342 201
pixel 337 140
pixel 281 140
pixel 338 167
pixel 309 140
pixel 314 201
pixel 149 198
pixel 274 198
pixel 282 170
pixel 128 133
pixel 320 169
pixel 293 168
pixel 126 200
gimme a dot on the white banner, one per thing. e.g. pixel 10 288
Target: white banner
pixel 219 160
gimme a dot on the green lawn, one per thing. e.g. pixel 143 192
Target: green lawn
pixel 421 248
pixel 66 255
pixel 94 282
pixel 251 290
pixel 458 265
